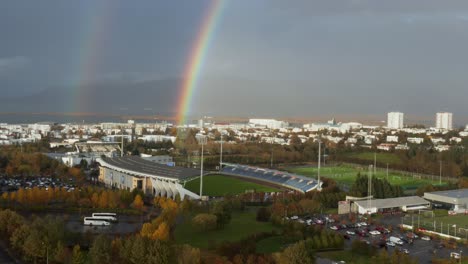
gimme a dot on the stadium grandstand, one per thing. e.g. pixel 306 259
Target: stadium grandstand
pixel 133 172
pixel 291 181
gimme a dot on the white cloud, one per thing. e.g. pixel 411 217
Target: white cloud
pixel 13 63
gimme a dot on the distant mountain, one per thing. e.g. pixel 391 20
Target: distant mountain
pixel 152 97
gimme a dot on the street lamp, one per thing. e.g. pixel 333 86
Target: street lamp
pixel 318 167
pixel 202 141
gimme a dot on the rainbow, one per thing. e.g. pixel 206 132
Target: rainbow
pixel 197 58
pixel 93 35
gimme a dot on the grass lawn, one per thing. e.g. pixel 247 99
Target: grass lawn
pixel 273 244
pixel 219 185
pixel 347 256
pixel 459 220
pixel 347 174
pixel 389 158
pixel 242 225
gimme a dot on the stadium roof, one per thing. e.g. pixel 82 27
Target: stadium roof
pixel 460 193
pixel 392 202
pixel 142 167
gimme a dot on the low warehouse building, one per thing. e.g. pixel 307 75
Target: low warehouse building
pixel 390 204
pixel 455 200
pixel 133 172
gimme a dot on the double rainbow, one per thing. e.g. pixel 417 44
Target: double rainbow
pixel 196 60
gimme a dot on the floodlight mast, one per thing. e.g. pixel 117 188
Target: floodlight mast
pixel 202 142
pixel 221 154
pixel 318 166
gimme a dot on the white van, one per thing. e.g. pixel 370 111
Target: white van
pixel 395 240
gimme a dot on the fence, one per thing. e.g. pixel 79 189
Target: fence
pixel 433 224
pixel 414 175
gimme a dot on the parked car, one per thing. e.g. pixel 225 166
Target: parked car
pixel 390 244
pixel 426 238
pixel 374 233
pixel 403 250
pixel 334 228
pixel 351 233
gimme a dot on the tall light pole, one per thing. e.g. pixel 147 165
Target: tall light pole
pixel 271 156
pixel 202 142
pixel 440 173
pixel 221 154
pixel 318 166
pixel 387 171
pixel 122 139
pixel 375 162
pixel 369 189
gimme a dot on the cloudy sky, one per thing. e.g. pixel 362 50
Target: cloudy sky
pixel 267 57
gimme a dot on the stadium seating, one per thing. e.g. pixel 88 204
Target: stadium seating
pixel 288 180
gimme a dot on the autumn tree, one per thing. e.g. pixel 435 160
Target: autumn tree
pixel 162 232
pixel 188 255
pixel 204 222
pixel 297 254
pixel 138 202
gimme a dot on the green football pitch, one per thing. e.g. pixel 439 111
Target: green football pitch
pixel 347 174
pixel 219 185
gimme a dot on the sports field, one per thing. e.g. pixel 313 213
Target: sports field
pixel 219 185
pixel 382 157
pixel 447 224
pixel 346 174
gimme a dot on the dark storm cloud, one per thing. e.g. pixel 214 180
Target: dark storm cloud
pixel 269 57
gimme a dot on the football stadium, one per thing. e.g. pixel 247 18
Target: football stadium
pixel 133 172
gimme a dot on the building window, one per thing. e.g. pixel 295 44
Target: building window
pixel 139 184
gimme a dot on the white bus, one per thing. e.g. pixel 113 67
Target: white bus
pixel 109 216
pixel 95 221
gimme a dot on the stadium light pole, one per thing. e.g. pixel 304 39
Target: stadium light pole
pixel 202 142
pixel 375 163
pixel 221 154
pixel 318 166
pixel 440 173
pixel 387 171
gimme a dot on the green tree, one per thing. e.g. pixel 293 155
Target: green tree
pixel 222 212
pixel 78 256
pixel 159 253
pixel 297 254
pixel 100 251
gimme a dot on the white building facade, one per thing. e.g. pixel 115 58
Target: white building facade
pixel 395 120
pixel 269 123
pixel 444 121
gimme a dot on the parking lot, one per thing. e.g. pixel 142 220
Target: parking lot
pixel 13 184
pixel 378 235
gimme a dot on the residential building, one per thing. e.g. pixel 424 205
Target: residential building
pixel 395 120
pixel 269 123
pixel 444 121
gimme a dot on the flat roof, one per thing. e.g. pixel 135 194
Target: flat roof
pixel 145 167
pixel 460 193
pixel 392 202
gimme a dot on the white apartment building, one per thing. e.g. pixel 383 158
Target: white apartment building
pixel 395 120
pixel 269 123
pixel 444 120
